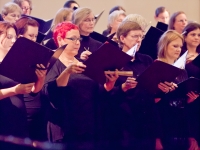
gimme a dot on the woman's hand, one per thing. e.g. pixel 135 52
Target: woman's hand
pixel 85 55
pixel 129 84
pixel 41 73
pixel 192 96
pixel 111 79
pixel 167 86
pixel 23 88
pixel 75 68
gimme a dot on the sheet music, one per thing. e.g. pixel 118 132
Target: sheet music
pixel 132 51
pixel 180 63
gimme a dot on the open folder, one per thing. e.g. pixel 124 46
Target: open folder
pixel 156 73
pixel 20 62
pixel 192 84
pixel 107 57
pixel 149 44
pixel 45 25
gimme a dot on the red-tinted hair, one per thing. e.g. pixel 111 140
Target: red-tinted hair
pixel 23 23
pixel 61 30
pixel 4 26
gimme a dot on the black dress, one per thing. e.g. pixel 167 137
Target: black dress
pixel 194 107
pixel 134 112
pixel 76 108
pixel 88 42
pixel 12 112
pixel 174 120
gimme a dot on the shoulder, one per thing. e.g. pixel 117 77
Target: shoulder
pixel 144 58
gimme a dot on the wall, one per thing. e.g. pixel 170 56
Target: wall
pixel 46 9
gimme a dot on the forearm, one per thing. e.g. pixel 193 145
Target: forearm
pixel 38 86
pixel 4 93
pixel 63 79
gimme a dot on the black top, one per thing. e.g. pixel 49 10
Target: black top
pixel 12 112
pixel 90 43
pixel 106 32
pixel 1 18
pixel 135 108
pixel 77 104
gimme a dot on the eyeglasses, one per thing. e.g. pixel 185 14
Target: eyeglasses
pixel 26 8
pixel 74 39
pixel 10 37
pixel 90 20
pixel 138 36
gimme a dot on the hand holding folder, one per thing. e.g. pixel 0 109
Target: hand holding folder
pixel 156 73
pixel 107 57
pixel 20 62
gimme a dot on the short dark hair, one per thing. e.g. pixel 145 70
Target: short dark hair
pixel 23 23
pixel 69 2
pixel 160 10
pixel 116 8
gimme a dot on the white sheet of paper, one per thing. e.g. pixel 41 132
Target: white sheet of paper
pixel 180 63
pixel 132 51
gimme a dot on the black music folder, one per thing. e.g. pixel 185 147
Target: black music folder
pixel 101 38
pixel 162 26
pixel 149 44
pixel 45 25
pixel 192 84
pixel 156 73
pixel 107 57
pixel 20 62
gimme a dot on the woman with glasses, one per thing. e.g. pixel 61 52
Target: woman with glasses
pixel 12 107
pixel 136 125
pixel 85 20
pixel 75 98
pixel 11 12
pixel 28 28
pixel 178 21
pixel 25 5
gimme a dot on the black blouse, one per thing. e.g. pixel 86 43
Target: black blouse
pixel 12 112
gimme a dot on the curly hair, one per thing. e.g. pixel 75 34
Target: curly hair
pixel 61 30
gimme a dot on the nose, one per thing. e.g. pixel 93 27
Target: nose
pixel 13 40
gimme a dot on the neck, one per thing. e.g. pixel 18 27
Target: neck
pixel 167 60
pixel 112 31
pixel 125 49
pixel 3 53
pixel 191 49
pixel 84 33
pixel 67 58
pixel 179 31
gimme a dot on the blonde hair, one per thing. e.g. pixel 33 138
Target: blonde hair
pixel 80 14
pixel 61 16
pixel 114 15
pixel 165 40
pixel 138 19
pixel 9 8
pixel 125 27
pixel 19 2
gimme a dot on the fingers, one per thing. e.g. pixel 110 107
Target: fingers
pixel 85 55
pixel 131 82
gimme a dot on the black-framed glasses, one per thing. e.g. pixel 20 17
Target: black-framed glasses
pixel 75 39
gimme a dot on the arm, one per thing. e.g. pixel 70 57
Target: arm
pixel 18 89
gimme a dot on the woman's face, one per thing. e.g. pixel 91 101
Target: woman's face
pixel 72 40
pixel 163 17
pixel 8 39
pixel 193 38
pixel 115 24
pixel 26 8
pixel 133 37
pixel 87 25
pixel 180 22
pixel 12 17
pixel 31 33
pixel 173 49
